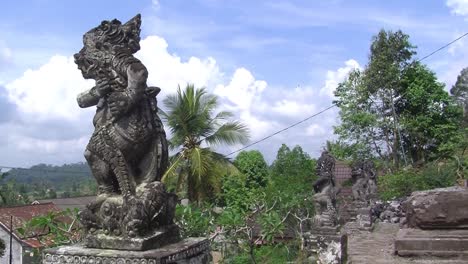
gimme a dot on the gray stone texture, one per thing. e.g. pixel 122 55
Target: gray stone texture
pixel 325 192
pixel 440 243
pixel 438 208
pixel 192 250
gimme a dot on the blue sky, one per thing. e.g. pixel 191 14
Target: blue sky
pixel 271 62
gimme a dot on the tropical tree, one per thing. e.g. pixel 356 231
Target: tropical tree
pixel 460 92
pixel 254 167
pixel 195 127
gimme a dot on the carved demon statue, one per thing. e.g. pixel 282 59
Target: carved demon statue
pixel 325 191
pixel 127 152
pixel 364 181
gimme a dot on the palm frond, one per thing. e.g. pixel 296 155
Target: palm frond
pixel 229 133
pixel 171 170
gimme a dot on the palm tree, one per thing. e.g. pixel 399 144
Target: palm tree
pixel 190 115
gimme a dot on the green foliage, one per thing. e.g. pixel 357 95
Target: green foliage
pixel 273 254
pixel 404 182
pixel 9 192
pixel 192 121
pixel 194 221
pixel 59 228
pixel 253 166
pixel 395 109
pixel 253 213
pixel 429 117
pixel 460 93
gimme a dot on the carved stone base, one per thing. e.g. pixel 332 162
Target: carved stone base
pixel 190 250
pixel 328 245
pixel 440 243
pixel 161 237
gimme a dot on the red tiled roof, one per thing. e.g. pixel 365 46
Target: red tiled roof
pixel 22 214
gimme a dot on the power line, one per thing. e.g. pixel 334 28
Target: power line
pixel 295 124
pixel 282 130
pixel 443 47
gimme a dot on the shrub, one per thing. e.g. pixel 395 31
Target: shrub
pixel 403 183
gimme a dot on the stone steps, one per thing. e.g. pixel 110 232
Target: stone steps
pixel 377 247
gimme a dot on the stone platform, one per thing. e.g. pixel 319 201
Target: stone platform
pixel 190 250
pixel 440 243
pixel 159 238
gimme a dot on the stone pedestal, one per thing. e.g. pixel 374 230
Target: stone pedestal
pixel 440 243
pixel 191 250
pixel 328 245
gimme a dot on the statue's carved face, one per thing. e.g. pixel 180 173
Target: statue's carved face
pixel 85 65
pixel 106 40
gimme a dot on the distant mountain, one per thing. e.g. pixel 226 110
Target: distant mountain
pixel 68 177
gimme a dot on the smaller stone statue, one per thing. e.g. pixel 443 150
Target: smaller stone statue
pixel 365 181
pixel 325 191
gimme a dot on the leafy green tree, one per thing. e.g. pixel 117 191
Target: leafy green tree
pixel 194 126
pixel 9 194
pixel 254 167
pixel 429 117
pixel 359 132
pixel 395 108
pixel 460 92
pixel 390 54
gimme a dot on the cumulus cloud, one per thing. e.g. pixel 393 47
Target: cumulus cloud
pixel 50 91
pixel 53 129
pixel 169 71
pixel 458 7
pixel 335 77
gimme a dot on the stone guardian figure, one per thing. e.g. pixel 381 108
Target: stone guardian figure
pixel 127 152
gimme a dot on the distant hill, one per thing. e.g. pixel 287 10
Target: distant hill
pixel 71 178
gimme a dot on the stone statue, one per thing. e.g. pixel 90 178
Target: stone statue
pixel 325 191
pixel 127 152
pixel 364 181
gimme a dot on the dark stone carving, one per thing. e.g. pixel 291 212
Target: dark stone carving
pixel 364 178
pixel 128 151
pixel 325 191
pixel 444 208
pixel 190 250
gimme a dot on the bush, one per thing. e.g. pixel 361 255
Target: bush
pixel 403 183
pixel 194 221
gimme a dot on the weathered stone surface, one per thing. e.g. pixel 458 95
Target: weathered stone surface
pixel 193 251
pixel 325 192
pixel 127 152
pixel 159 238
pixel 364 177
pixel 438 208
pixel 441 243
pixel 327 245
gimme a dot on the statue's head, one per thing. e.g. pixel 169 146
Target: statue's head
pixel 103 42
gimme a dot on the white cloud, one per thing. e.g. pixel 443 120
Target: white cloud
pixel 168 70
pixel 242 90
pixel 50 91
pixel 293 108
pixel 458 7
pixel 335 77
pixel 48 94
pixel 155 4
pixel 315 130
